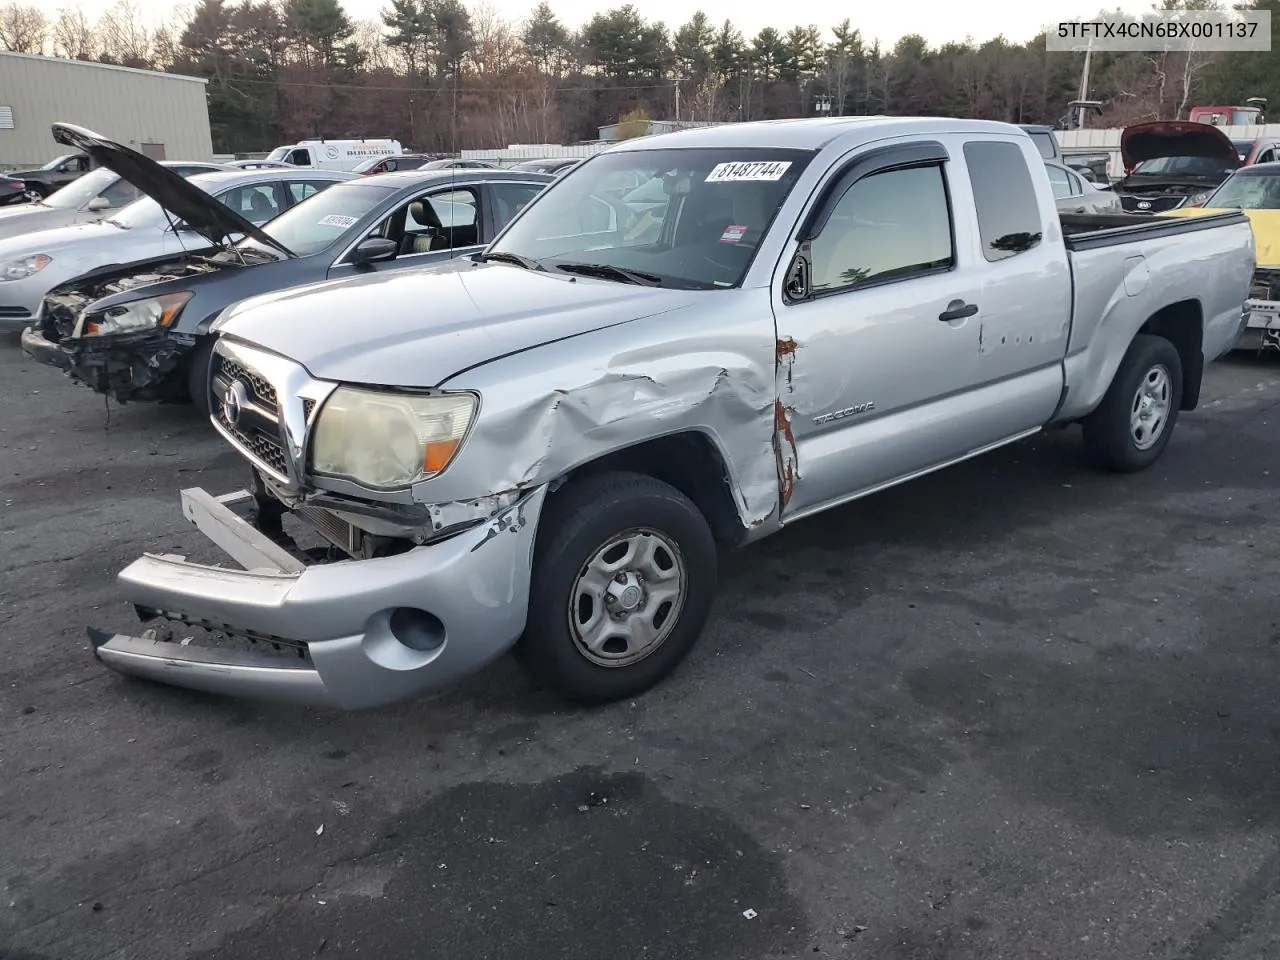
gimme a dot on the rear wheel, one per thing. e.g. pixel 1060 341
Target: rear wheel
pixel 1132 425
pixel 623 579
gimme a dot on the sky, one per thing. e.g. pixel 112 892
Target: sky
pixel 938 21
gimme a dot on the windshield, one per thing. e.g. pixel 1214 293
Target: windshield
pixel 714 206
pixel 79 192
pixel 1186 166
pixel 322 218
pixel 1251 192
pixel 279 153
pixel 143 212
pixel 52 164
pixel 1046 143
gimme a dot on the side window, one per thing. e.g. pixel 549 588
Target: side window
pixel 387 166
pixel 300 157
pixel 509 199
pixel 301 189
pixel 1005 197
pixel 77 165
pixel 444 220
pixel 1266 156
pixel 257 202
pixel 888 225
pixel 120 193
pixel 1060 180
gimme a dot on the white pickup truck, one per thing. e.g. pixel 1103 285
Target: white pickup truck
pixel 687 343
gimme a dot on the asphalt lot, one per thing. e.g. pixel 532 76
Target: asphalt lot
pixel 1013 710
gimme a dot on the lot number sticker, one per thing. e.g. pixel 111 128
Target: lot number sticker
pixel 337 220
pixel 760 170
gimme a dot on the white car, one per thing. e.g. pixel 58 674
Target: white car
pixel 88 199
pixel 33 264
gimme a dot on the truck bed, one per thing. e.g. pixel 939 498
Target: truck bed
pixel 1089 231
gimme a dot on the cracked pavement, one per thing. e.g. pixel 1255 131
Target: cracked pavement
pixel 1015 709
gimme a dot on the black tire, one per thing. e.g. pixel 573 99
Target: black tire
pixel 198 375
pixel 1110 439
pixel 578 521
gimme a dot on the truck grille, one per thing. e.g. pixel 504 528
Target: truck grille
pixel 257 426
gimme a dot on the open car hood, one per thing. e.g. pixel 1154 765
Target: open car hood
pixel 211 218
pixel 1175 138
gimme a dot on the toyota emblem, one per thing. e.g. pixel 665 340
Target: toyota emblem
pixel 233 402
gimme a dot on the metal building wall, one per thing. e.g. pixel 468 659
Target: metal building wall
pixel 133 107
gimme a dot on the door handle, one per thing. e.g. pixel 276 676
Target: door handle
pixel 957 310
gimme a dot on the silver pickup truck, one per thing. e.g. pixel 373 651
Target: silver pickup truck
pixel 687 343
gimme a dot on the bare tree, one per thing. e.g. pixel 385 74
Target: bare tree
pixel 73 35
pixel 123 36
pixel 23 29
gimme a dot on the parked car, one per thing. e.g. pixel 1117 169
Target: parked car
pixel 1046 143
pixel 260 165
pixel 90 199
pixel 390 164
pixel 149 228
pixel 110 329
pixel 544 445
pixel 1255 191
pixel 54 175
pixel 1092 166
pixel 450 163
pixel 555 165
pixel 1075 194
pixel 13 190
pixel 1169 162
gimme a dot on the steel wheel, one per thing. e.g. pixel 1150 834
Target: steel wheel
pixel 627 598
pixel 1150 410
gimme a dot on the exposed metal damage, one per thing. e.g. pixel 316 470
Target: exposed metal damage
pixel 784 440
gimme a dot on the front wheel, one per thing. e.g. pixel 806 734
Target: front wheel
pixel 623 579
pixel 1132 425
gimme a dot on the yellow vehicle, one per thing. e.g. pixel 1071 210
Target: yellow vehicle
pixel 1255 191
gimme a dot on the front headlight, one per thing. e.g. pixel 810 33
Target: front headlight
pixel 387 441
pixel 1195 200
pixel 24 267
pixel 139 315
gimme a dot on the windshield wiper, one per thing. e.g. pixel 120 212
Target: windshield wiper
pixel 519 259
pixel 116 223
pixel 607 271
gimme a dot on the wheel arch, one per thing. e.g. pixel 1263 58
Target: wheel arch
pixel 691 462
pixel 1182 324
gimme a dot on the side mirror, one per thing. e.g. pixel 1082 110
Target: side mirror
pixel 374 250
pixel 98 203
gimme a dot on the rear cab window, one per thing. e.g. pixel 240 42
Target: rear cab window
pixel 1004 198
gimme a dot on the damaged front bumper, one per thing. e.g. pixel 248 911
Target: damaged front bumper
pixel 365 632
pixel 42 350
pixel 128 366
pixel 131 366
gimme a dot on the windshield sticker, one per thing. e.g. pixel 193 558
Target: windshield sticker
pixel 761 170
pixel 733 233
pixel 337 220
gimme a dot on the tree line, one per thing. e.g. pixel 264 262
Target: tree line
pixel 441 75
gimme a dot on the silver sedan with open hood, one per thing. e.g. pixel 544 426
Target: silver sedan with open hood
pixel 176 215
